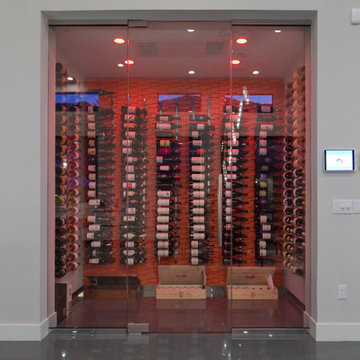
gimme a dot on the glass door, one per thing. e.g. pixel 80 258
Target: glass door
pixel 179 74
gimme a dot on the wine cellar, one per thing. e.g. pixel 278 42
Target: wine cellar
pixel 185 182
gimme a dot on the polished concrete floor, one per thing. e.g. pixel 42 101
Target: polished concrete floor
pixel 215 314
pixel 112 344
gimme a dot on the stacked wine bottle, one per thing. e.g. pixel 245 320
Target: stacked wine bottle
pixel 100 193
pixel 133 149
pixel 269 158
pixel 67 192
pixel 294 220
pixel 200 161
pixel 233 150
pixel 167 182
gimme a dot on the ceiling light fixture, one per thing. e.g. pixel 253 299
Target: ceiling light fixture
pixel 119 41
pixel 278 31
pixel 191 72
pixel 129 62
pixel 241 41
pixel 190 30
pixel 235 61
pixel 70 78
pixel 256 72
pixel 120 65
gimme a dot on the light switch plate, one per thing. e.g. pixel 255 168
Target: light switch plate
pixel 342 206
pixel 355 16
pixel 356 206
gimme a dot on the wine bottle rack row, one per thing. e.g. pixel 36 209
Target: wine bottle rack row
pixel 294 220
pixel 67 180
pixel 167 182
pixel 100 168
pixel 199 188
pixel 134 185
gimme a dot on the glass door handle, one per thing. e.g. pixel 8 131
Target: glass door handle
pixel 219 210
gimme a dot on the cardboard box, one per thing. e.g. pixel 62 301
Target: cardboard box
pixel 181 282
pixel 251 283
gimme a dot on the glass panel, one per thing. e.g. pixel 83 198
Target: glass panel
pixel 272 190
pixel 180 76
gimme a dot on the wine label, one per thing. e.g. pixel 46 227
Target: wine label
pixel 128 252
pixel 198 177
pixel 198 168
pixel 91 126
pixel 130 261
pixel 131 211
pixel 199 219
pixel 94 261
pixel 162 236
pixel 263 184
pixel 129 185
pixel 90 109
pixel 161 126
pixel 228 210
pixel 199 228
pixel 262 252
pixel 129 236
pixel 159 159
pixel 232 176
pixel 198 160
pixel 267 127
pixel 263 219
pixel 165 143
pixel 198 186
pixel 228 219
pixel 91 118
pixel 92 185
pixel 232 135
pixel 90 235
pixel 263 134
pixel 200 202
pixel 200 126
pixel 266 236
pixel 198 194
pixel 194 252
pixel 262 244
pixel 198 211
pixel 194 261
pixel 129 218
pixel 164 117
pixel 164 168
pixel 164 193
pixel 163 219
pixel 262 193
pixel 163 211
pixel 163 202
pixel 94 227
pixel 262 143
pixel 266 227
pixel 163 252
pixel 228 185
pixel 228 126
pixel 129 168
pixel 130 134
pixel 92 176
pixel 228 193
pixel 91 219
pixel 130 177
pixel 232 143
pixel 95 244
pixel 198 236
pixel 197 143
pixel 194 244
pixel 231 160
pixel 91 168
pixel 91 134
pixel 94 202
pixel 163 244
pixel 262 151
pixel 194 134
pixel 263 176
pixel 161 227
pixel 127 151
pixel 126 143
pixel 130 116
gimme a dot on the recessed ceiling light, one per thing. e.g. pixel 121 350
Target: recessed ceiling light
pixel 119 41
pixel 235 61
pixel 120 65
pixel 191 72
pixel 129 62
pixel 256 72
pixel 241 41
pixel 70 78
pixel 190 30
pixel 278 30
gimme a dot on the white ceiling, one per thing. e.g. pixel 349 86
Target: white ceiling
pixel 166 49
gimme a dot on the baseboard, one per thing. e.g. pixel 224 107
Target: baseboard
pixel 25 332
pixel 333 331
